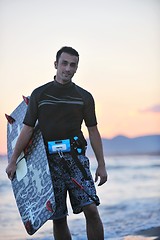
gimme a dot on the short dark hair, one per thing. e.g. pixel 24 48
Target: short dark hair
pixel 68 50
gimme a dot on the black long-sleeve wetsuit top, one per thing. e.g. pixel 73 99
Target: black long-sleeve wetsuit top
pixel 60 110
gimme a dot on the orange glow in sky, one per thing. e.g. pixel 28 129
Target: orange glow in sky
pixel 118 43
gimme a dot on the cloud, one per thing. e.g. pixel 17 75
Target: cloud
pixel 152 109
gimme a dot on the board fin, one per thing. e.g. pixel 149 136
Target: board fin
pixel 26 99
pixel 10 119
pixel 29 227
pixel 49 206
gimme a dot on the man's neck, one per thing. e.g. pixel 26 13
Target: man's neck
pixel 61 85
pixel 61 81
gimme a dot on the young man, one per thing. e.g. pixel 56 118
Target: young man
pixel 60 107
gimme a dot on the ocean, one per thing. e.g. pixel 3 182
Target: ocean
pixel 130 201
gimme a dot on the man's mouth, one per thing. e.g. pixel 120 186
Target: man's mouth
pixel 67 74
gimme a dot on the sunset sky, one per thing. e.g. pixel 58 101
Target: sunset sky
pixel 119 46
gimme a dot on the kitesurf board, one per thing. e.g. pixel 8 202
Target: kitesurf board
pixel 32 184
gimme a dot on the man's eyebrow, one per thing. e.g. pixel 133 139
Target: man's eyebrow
pixel 65 61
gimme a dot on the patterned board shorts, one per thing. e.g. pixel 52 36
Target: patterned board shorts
pixel 62 184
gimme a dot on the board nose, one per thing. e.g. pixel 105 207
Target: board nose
pixel 10 119
pixel 26 99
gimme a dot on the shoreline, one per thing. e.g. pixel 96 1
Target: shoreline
pixel 152 233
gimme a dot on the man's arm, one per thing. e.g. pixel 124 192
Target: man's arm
pixel 21 143
pixel 96 143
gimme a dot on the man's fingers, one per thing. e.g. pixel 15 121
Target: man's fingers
pixel 102 180
pixel 10 174
pixel 96 177
pixel 101 172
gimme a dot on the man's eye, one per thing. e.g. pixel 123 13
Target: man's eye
pixel 73 64
pixel 64 63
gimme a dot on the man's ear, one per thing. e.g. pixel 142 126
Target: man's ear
pixel 55 65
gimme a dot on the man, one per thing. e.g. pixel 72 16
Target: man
pixel 60 107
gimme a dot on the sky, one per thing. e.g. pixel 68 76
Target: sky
pixel 119 46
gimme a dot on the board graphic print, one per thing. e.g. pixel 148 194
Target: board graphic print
pixel 32 183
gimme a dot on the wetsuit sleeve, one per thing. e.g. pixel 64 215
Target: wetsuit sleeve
pixel 32 111
pixel 89 112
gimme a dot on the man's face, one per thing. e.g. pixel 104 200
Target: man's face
pixel 66 67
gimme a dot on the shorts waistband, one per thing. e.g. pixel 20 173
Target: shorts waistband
pixel 66 146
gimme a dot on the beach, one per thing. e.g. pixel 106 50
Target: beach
pixel 130 203
pixel 151 233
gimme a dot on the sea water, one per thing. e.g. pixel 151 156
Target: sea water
pixel 130 201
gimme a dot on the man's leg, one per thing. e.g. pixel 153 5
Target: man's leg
pixel 93 223
pixel 61 230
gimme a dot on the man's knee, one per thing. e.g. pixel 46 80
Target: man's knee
pixel 91 211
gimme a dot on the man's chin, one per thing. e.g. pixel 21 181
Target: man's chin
pixel 66 80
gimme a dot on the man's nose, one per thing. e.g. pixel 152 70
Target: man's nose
pixel 68 67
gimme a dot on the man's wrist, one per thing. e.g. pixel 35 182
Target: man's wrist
pixel 101 164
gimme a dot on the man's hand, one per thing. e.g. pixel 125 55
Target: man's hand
pixel 10 170
pixel 22 142
pixel 102 173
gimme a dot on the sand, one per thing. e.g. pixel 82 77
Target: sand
pixel 151 233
